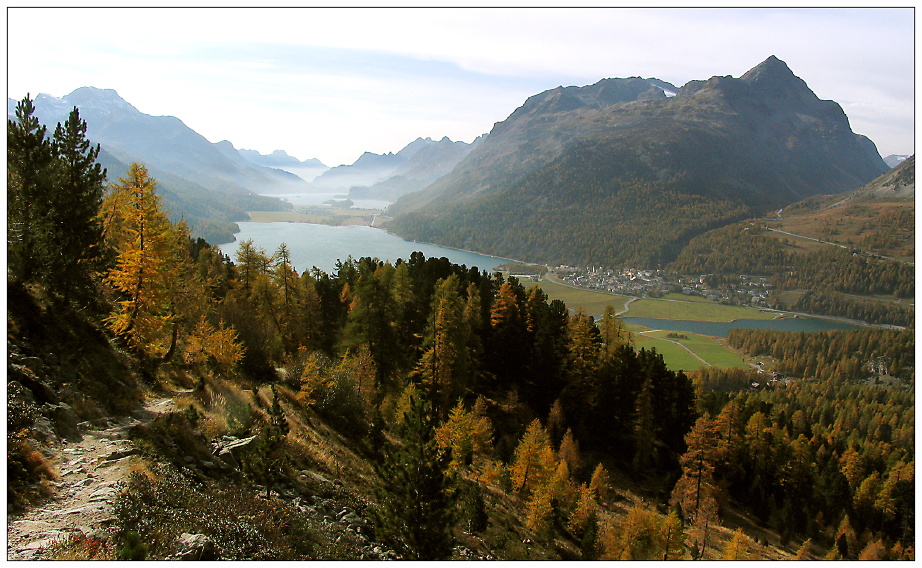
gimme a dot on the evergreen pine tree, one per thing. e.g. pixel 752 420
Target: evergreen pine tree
pixel 29 158
pixel 416 502
pixel 77 245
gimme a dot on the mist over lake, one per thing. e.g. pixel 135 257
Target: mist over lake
pixel 323 245
pixel 319 198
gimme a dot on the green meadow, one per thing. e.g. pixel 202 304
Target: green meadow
pixel 672 306
pixel 694 310
pixel 594 302
pixel 676 355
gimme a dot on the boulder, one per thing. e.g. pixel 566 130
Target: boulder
pixel 195 547
pixel 64 419
pixel 28 378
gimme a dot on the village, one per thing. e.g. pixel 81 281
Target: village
pixel 744 290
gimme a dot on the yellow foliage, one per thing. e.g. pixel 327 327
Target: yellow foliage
pixel 313 380
pixel 569 451
pixel 402 408
pixel 534 461
pixel 637 537
pixel 538 513
pixel 205 343
pixel 585 507
pixel 739 547
pixel 468 434
pixel 490 471
pixel 599 483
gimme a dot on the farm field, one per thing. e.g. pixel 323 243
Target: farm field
pixel 676 358
pixel 708 348
pixel 594 302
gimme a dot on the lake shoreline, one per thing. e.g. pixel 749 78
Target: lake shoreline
pixel 317 245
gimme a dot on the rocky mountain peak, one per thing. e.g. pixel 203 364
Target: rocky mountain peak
pixel 98 99
pixel 773 77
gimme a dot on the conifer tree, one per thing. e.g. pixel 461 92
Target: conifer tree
pixel 697 484
pixel 584 347
pixel 739 547
pixel 145 266
pixel 672 536
pixel 598 484
pixel 585 509
pixel 534 461
pixel 468 434
pixel 251 261
pixel 569 452
pixel 644 433
pixel 416 511
pixel 445 365
pixel 30 159
pixel 74 224
pixel 372 318
pixel 614 333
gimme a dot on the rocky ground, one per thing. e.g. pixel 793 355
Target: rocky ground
pixel 92 465
pixel 89 469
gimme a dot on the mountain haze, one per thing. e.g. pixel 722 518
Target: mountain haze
pixel 306 170
pixel 209 185
pixel 425 166
pixel 414 167
pixel 621 173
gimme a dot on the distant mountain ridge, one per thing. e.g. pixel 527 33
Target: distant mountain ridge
pixel 894 160
pixel 279 159
pixel 306 170
pixel 425 166
pixel 208 185
pixel 388 176
pixel 621 173
pixel 878 217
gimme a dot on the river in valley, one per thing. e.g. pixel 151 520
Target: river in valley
pixel 721 329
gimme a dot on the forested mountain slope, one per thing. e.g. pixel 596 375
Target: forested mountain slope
pixel 848 255
pixel 620 173
pixel 877 218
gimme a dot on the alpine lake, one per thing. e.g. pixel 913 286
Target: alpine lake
pixel 325 229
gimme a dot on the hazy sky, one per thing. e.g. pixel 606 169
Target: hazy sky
pixel 332 83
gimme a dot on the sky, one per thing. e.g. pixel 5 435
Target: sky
pixel 332 83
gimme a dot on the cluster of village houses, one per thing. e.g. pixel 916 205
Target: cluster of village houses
pixel 748 290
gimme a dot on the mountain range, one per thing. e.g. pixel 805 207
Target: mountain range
pixel 213 185
pixel 390 176
pixel 621 172
pixel 279 159
pixel 209 185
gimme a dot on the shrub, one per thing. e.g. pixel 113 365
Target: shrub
pixel 242 526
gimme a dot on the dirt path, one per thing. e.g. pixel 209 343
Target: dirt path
pixel 89 471
pixel 627 306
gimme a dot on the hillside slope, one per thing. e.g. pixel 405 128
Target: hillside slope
pixel 878 218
